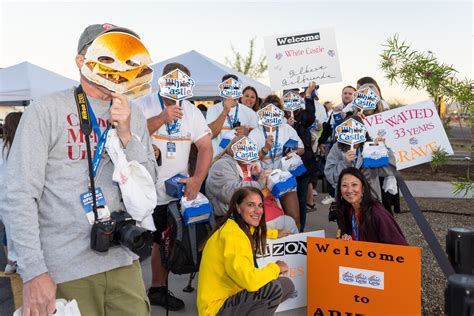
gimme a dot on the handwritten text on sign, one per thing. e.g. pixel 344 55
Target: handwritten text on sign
pixel 292 250
pixel 296 59
pixel 411 131
pixel 362 278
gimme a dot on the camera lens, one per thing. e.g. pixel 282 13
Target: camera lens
pixel 134 237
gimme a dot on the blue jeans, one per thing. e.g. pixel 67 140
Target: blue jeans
pixel 302 191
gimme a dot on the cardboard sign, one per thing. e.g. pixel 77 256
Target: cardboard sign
pixel 365 99
pixel 270 116
pixel 351 132
pixel 363 278
pixel 245 150
pixel 296 59
pixel 292 250
pixel 292 101
pixel 230 88
pixel 412 132
pixel 176 85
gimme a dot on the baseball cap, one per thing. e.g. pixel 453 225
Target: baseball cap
pixel 93 31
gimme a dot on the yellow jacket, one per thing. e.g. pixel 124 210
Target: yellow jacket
pixel 227 267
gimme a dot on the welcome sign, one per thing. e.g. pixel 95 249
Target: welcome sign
pixel 291 249
pixel 176 85
pixel 351 132
pixel 295 59
pixel 245 150
pixel 292 101
pixel 412 132
pixel 230 88
pixel 270 116
pixel 363 278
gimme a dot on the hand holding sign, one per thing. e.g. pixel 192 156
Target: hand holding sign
pixel 171 114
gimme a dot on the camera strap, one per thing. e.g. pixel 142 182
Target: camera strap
pixel 86 128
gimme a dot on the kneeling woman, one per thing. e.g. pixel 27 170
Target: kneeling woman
pixel 360 216
pixel 230 282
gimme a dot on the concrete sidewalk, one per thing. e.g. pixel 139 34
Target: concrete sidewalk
pixel 434 189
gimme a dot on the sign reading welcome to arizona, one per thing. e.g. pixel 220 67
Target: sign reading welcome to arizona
pixel 296 59
pixel 292 250
pixel 412 132
pixel 362 278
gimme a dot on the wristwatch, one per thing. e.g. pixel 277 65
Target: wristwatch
pixel 263 151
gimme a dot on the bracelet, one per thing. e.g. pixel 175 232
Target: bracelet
pixel 263 151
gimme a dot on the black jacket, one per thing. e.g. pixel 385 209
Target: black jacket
pixel 303 121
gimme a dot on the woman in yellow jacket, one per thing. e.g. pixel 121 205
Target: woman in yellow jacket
pixel 230 282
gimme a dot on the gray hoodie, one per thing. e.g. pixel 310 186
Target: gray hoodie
pixel 225 177
pixel 47 171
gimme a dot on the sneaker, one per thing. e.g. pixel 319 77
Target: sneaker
pixel 10 268
pixel 328 200
pixel 159 297
pixel 315 192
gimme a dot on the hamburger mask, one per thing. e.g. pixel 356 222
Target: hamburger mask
pixel 119 62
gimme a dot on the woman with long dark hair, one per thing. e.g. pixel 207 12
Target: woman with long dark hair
pixel 360 216
pixel 250 98
pixel 229 270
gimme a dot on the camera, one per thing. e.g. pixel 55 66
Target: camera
pixel 119 229
pixel 236 124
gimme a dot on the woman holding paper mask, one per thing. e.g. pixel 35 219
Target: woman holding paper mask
pixel 342 156
pixel 228 175
pixel 270 142
pixel 230 281
pixel 360 216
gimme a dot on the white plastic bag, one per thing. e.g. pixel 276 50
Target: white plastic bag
pixel 63 308
pixel 136 184
pixel 390 185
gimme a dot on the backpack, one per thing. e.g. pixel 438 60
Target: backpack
pixel 180 244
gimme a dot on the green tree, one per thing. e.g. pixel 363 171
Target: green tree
pixel 248 64
pixel 422 70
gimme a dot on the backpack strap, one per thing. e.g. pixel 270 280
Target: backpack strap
pixel 192 231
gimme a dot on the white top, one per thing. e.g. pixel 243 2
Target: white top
pixel 285 132
pixel 246 116
pixel 191 128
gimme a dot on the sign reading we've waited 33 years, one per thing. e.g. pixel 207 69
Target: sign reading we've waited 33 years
pixel 296 59
pixel 412 132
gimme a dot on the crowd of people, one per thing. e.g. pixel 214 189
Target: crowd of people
pixel 49 235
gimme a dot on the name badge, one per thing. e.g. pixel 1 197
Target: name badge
pixel 170 150
pixel 102 209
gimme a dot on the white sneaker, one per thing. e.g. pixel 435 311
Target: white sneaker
pixel 328 200
pixel 10 268
pixel 315 192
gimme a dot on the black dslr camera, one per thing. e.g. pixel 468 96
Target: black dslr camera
pixel 119 229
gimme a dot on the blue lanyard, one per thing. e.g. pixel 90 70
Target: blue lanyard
pixel 356 156
pixel 170 127
pixel 236 116
pixel 102 139
pixel 355 226
pixel 272 153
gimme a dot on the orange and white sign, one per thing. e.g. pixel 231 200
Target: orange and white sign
pixel 362 278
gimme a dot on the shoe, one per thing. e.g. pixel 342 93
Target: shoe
pixel 159 297
pixel 310 208
pixel 10 268
pixel 328 200
pixel 315 192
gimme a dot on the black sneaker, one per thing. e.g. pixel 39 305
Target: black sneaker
pixel 160 298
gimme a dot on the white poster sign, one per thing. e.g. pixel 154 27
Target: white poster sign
pixel 411 131
pixel 296 59
pixel 292 250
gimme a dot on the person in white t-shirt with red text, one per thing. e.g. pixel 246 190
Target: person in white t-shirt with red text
pixel 228 119
pixel 173 127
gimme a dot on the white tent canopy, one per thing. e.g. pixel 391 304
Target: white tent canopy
pixel 26 81
pixel 207 74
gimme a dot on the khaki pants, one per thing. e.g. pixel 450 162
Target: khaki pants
pixel 117 292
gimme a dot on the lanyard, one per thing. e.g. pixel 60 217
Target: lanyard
pixel 236 116
pixel 356 157
pixel 355 226
pixel 170 127
pixel 102 139
pixel 272 153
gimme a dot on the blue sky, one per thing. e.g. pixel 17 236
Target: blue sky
pixel 46 33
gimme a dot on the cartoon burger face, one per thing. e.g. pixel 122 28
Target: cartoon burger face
pixel 119 62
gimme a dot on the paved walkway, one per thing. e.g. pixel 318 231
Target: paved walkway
pixel 434 189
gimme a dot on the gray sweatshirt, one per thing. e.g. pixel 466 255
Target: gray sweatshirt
pixel 46 172
pixel 335 163
pixel 225 177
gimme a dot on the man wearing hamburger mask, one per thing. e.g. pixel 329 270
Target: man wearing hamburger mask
pixel 49 228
